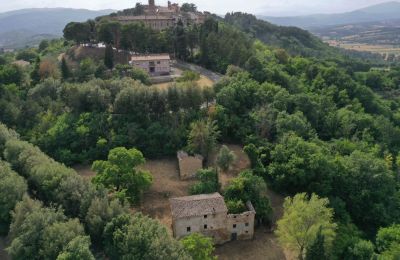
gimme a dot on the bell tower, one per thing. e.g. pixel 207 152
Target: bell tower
pixel 151 3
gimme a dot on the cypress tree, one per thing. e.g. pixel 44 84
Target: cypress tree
pixel 109 57
pixel 64 69
pixel 316 251
pixel 35 76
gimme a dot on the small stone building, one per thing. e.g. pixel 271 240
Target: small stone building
pixel 207 214
pixel 155 65
pixel 189 165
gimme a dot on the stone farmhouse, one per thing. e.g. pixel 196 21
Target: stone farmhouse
pixel 189 165
pixel 207 214
pixel 154 64
pixel 163 17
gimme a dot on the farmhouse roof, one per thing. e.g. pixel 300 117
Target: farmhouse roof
pixel 198 205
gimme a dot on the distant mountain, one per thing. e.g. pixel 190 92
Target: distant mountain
pixel 29 26
pixel 380 12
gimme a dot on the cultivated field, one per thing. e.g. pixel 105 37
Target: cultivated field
pixel 374 48
pixel 166 184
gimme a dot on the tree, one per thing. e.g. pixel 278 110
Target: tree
pixel 28 55
pixel 77 248
pixel 199 247
pixel 78 32
pixel 44 44
pixel 208 182
pixel 303 217
pixel 109 33
pixel 181 41
pixel 203 137
pixel 100 212
pixel 120 173
pixel 388 236
pixel 12 189
pixel 362 250
pixel 109 56
pixel 65 72
pixel 249 187
pixel 30 220
pixel 58 235
pixel 35 73
pixel 188 7
pixel 225 158
pixel 140 237
pixel 316 251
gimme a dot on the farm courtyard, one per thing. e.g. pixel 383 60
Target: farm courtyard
pixel 166 185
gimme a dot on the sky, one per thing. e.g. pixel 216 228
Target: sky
pixel 267 7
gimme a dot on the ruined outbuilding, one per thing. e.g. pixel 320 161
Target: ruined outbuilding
pixel 189 165
pixel 207 214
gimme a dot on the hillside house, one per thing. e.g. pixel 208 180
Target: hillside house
pixel 207 214
pixel 189 165
pixel 154 64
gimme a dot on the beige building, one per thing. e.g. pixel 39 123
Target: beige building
pixel 162 17
pixel 154 64
pixel 207 214
pixel 155 22
pixel 189 165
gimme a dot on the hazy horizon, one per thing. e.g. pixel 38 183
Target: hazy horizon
pixel 272 7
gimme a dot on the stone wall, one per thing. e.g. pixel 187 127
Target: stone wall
pixel 241 226
pixel 189 165
pixel 213 226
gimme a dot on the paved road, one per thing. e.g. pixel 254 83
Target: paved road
pixel 188 66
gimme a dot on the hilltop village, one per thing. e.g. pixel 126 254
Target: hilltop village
pixel 162 17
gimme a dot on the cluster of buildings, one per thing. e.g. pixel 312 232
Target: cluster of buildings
pixel 207 213
pixel 163 17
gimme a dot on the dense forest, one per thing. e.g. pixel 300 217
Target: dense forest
pixel 310 123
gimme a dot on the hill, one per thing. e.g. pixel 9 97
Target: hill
pixel 380 12
pixel 294 40
pixel 29 26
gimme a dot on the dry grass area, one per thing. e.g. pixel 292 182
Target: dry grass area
pixel 166 184
pixel 202 82
pixel 264 246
